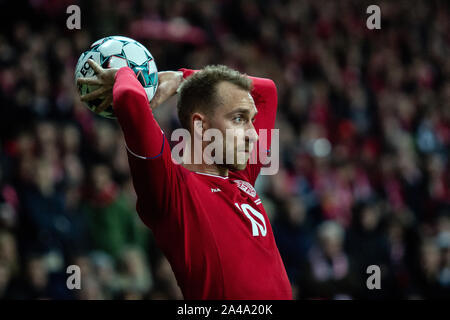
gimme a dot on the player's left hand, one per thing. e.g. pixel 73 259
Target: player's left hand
pixel 168 83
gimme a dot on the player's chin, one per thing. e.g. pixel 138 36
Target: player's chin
pixel 237 167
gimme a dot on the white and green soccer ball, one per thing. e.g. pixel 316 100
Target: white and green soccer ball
pixel 117 52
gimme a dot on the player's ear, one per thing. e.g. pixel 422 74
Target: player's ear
pixel 197 124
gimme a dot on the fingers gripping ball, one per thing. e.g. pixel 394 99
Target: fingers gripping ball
pixel 117 52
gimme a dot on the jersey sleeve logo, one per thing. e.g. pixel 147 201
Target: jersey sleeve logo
pixel 253 215
pixel 246 187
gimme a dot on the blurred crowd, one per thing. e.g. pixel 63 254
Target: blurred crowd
pixel 364 119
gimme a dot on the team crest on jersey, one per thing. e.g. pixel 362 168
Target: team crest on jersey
pixel 246 187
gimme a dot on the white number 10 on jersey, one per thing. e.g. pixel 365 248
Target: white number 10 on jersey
pixel 251 213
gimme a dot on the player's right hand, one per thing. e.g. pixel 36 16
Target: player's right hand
pixel 104 78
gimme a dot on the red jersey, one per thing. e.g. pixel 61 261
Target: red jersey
pixel 213 230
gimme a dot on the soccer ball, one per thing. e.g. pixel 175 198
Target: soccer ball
pixel 117 52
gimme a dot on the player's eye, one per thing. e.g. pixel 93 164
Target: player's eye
pixel 238 119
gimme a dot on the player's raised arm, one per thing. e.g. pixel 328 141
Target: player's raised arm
pixel 148 150
pixel 142 133
pixel 264 94
pixel 149 153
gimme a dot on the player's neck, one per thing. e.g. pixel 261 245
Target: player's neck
pixel 189 163
pixel 207 168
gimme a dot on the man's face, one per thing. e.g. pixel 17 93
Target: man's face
pixel 235 115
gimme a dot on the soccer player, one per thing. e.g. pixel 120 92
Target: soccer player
pixel 206 218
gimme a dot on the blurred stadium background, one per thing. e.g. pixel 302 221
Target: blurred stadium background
pixel 364 120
